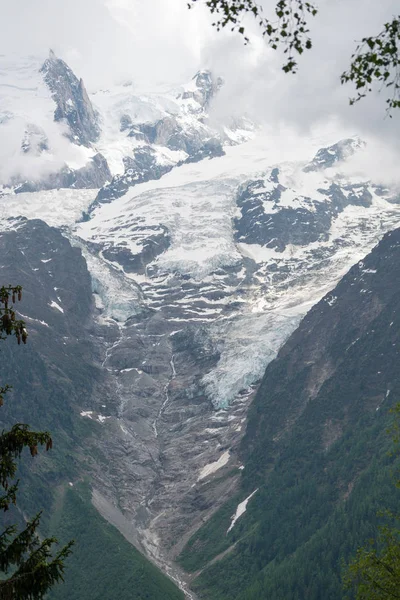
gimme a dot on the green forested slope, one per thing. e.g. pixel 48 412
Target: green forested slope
pixel 316 447
pixel 103 565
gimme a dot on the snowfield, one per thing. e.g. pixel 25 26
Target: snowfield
pixel 58 208
pixel 197 204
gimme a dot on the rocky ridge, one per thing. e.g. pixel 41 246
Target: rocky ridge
pixel 72 100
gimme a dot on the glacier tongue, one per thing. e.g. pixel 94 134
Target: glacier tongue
pixel 118 298
pixel 250 342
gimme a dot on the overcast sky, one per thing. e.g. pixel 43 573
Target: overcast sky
pixel 161 41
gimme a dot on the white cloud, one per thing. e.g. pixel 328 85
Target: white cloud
pixel 161 41
pixel 314 95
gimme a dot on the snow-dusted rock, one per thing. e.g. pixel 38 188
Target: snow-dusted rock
pixel 73 104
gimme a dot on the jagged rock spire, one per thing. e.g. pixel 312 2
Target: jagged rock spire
pixel 73 103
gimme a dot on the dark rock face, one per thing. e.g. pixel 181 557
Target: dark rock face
pixel 54 266
pixel 73 103
pixel 168 132
pixel 142 167
pixel 267 221
pixel 54 371
pixel 93 175
pixel 211 148
pixel 327 157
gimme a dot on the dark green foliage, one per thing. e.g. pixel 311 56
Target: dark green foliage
pixel 103 565
pixel 30 569
pixel 374 573
pixel 377 60
pixel 37 568
pixel 292 542
pixel 210 540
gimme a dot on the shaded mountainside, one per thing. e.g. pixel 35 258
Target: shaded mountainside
pixel 315 448
pixel 56 373
pixel 73 104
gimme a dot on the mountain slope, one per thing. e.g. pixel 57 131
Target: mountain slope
pixel 52 376
pixel 197 253
pixel 188 314
pixel 315 448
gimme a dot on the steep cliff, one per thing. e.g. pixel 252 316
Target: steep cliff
pixel 72 100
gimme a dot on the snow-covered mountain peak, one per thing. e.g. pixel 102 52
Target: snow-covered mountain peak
pixel 328 157
pixel 59 136
pixel 196 96
pixel 32 144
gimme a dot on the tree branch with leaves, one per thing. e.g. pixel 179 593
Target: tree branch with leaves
pixel 374 573
pixel 28 564
pixel 376 59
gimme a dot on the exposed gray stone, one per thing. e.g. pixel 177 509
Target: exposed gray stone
pixel 73 104
pixel 327 157
pixel 277 226
pixel 93 175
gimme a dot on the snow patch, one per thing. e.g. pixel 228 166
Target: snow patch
pixel 102 418
pixel 55 305
pixel 54 207
pixel 86 413
pixel 34 320
pixel 241 509
pixel 214 466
